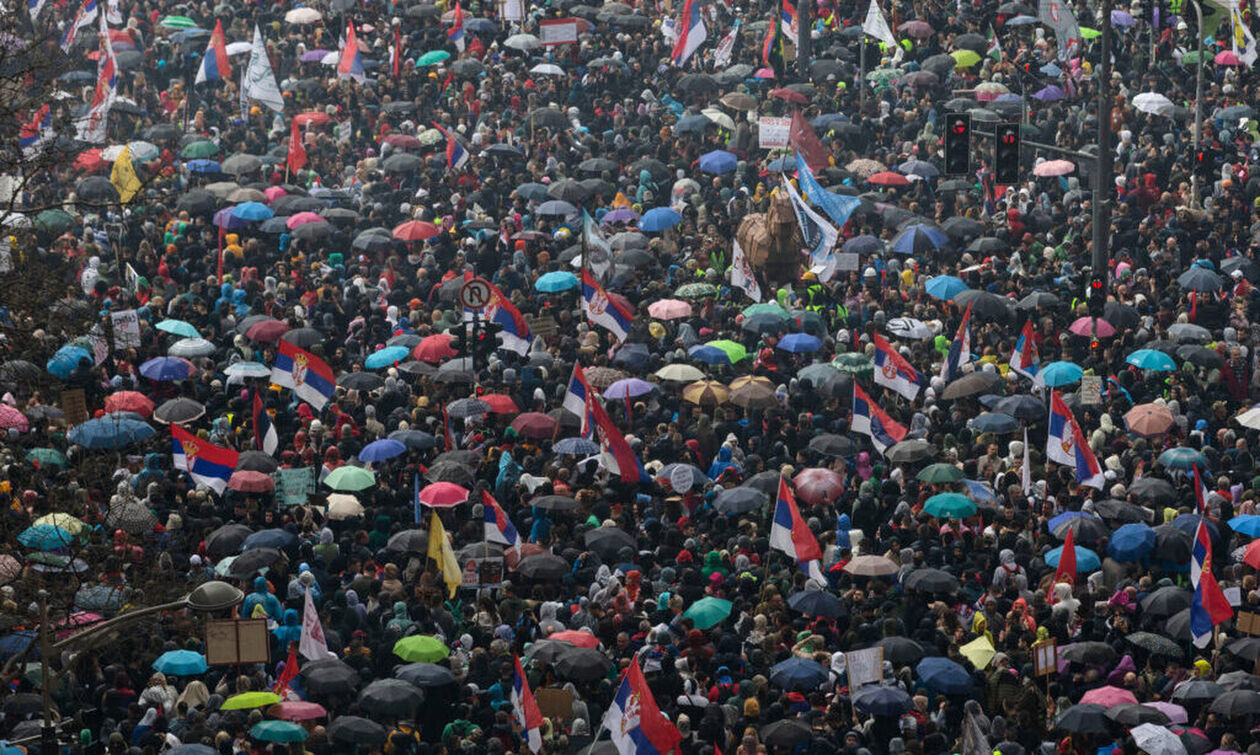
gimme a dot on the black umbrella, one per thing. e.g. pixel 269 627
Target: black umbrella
pixel 549 117
pixel 785 733
pixel 554 503
pixel 569 191
pixel 1086 718
pixel 1165 601
pixel 972 385
pixel 962 229
pixel 401 162
pixel 1093 653
pixel 598 165
pixel 543 566
pixel 932 580
pixel 468 67
pixel 1238 702
pixel 361 381
pixel 449 471
pixel 353 730
pixel 329 676
pixel 197 202
pixel 95 190
pixel 1021 407
pixel 257 461
pixel 409 541
pixel 293 203
pixel 425 675
pixel 162 132
pixel 1171 544
pixel 1178 626
pixel 1200 356
pixel 901 651
pixel 1156 644
pixel 1197 690
pixel 253 560
pixel 766 482
pixel 696 83
pixel 304 338
pixel 178 411
pixel 227 539
pixel 829 444
pixel 20 371
pixel 1238 680
pixel 609 541
pixel 910 451
pixel 653 166
pixel 1131 714
pixel 740 500
pixel 1122 316
pixel 23 704
pixel 985 305
pixel 1120 511
pixel 581 664
pixel 1038 299
pixel 1153 490
pixel 390 698
pixel 1084 529
pixel 819 603
pixel 973 42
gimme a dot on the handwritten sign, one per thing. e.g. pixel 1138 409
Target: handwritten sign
pixel 864 666
pixel 1091 390
pixel 846 261
pixel 294 486
pixel 772 133
pixel 558 31
pixel 541 325
pixel 1045 657
pixel 126 329
pixel 233 642
pixel 513 10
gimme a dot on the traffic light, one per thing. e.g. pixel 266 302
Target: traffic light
pixel 485 340
pixel 957 144
pixel 1097 297
pixel 1006 154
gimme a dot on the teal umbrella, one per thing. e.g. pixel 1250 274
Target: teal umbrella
pixel 708 612
pixel 1056 374
pixel 433 57
pixel 278 731
pixel 1183 458
pixel 178 328
pixel 1151 359
pixel 950 506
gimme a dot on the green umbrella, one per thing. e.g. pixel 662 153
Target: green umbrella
pixel 853 363
pixel 708 612
pixel 950 506
pixel 53 221
pixel 734 351
pixel 965 58
pixel 350 478
pixel 883 75
pixel 765 308
pixel 433 57
pixel 247 700
pixel 1088 33
pixel 278 731
pixel 939 473
pixel 47 457
pixel 421 648
pixel 177 22
pixel 1191 58
pixel 695 290
pixel 199 150
pixel 178 328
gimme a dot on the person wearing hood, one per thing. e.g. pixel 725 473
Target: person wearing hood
pixel 262 598
pixel 289 632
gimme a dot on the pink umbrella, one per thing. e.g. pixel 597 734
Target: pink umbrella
pixel 1227 58
pixel 12 418
pixel 272 193
pixel 1084 326
pixel 247 481
pixel 1176 714
pixel 302 218
pixel 1109 696
pixel 816 485
pixel 76 621
pixel 764 73
pixel 297 711
pixel 990 90
pixel 443 495
pixel 669 309
pixel 1054 168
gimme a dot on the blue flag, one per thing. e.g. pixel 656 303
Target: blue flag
pixel 837 206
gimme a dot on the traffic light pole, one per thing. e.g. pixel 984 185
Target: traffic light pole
pixel 1198 97
pixel 1106 159
pixel 804 8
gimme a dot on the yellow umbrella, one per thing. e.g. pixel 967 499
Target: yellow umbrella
pixel 979 651
pixel 965 58
pixel 707 393
pixel 64 521
pixel 751 380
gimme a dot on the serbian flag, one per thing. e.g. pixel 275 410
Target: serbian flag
pixel 788 20
pixel 85 15
pixel 1209 606
pixel 456 32
pixel 265 437
pixel 456 155
pixel 691 33
pixel 870 420
pixel 525 709
pixel 1066 570
pixel 395 53
pixel 893 371
pixel 297 151
pixel 602 310
pixel 959 350
pixel 214 64
pixel 618 457
pixel 36 131
pixel 1200 492
pixel 351 64
pixel 304 373
pixel 514 334
pixel 579 389
pixel 498 528
pixel 206 463
pixel 635 722
pixel 1024 358
pixel 789 533
pixel 1065 444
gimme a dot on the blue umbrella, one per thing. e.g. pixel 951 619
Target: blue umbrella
pixel 981 492
pixel 1056 374
pixel 1021 20
pixel 1058 521
pixel 45 537
pixel 919 238
pixel 575 446
pixel 556 281
pixel 380 450
pixel 718 161
pixel 943 675
pixel 817 603
pixel 557 207
pixel 167 368
pixel 994 422
pixel 1086 560
pixel 110 432
pixel 945 287
pixel 659 219
pixel 1132 542
pixel 800 343
pixel 227 221
pixel 1189 524
pixel 797 673
pixel 65 360
pixel 1183 458
pixel 1051 70
pixel 692 124
pixel 1246 524
pixel 1151 359
pixel 708 354
pixel 12 644
pixel 203 166
pixel 253 211
pixel 272 538
pixel 180 663
pixel 1122 19
pixel 632 356
pixel 785 164
pixel 879 700
pixel 386 357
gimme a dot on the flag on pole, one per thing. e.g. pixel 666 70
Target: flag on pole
pixel 525 708
pixel 456 156
pixel 1209 606
pixel 36 132
pixel 1065 444
pixel 34 7
pixel 498 528
pixel 603 310
pixel 635 722
pixel 297 151
pixel 84 15
pixel 818 235
pixel 722 53
pixel 1200 492
pixel 579 389
pixel 691 33
pixel 790 534
pixel 92 127
pixel 774 49
pixel 597 254
pixel 214 64
pixel 260 80
pixel 304 373
pixel 265 437
pixel 1024 357
pixel 1025 471
pixel 617 455
pixel 876 26
pixel 312 645
pixel 395 52
pixel 456 32
pixel 742 275
pixel 1059 17
pixel 1066 570
pixel 893 372
pixel 788 20
pixel 872 421
pixel 960 350
pixel 206 463
pixel 350 66
pixel 441 552
pixel 838 207
pixel 281 687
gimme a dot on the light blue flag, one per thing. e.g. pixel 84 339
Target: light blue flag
pixel 837 206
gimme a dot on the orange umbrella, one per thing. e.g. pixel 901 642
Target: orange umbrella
pixel 129 401
pixel 575 637
pixel 415 230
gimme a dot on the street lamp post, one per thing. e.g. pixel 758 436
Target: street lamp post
pixel 206 598
pixel 1198 97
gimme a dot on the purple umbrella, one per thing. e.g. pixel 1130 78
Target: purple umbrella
pixel 1050 94
pixel 313 56
pixel 628 388
pixel 227 221
pixel 1120 18
pixel 624 215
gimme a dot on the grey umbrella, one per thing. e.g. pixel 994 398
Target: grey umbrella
pixel 549 117
pixel 241 163
pixel 256 461
pixel 304 338
pixel 390 698
pixel 909 451
pixel 468 67
pixel 569 191
pixel 597 165
pixel 95 190
pixel 401 162
pixel 467 407
pixel 131 517
pixel 178 411
pixel 1184 332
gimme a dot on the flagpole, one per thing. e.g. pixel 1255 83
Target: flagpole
pixel 862 73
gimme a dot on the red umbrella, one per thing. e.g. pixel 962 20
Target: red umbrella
pixel 247 481
pixel 297 710
pixel 89 161
pixel 791 95
pixel 501 403
pixel 434 349
pixel 1252 554
pixel 1083 327
pixel 317 117
pixel 403 141
pixel 1109 696
pixel 534 425
pixel 267 330
pixel 575 637
pixel 888 178
pixel 129 401
pixel 11 418
pixel 415 230
pixel 815 486
pixel 443 495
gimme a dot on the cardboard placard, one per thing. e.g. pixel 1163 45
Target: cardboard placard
pixel 74 405
pixel 1091 390
pixel 541 325
pixel 1045 657
pixel 294 486
pixel 126 329
pixel 554 703
pixel 558 31
pixel 864 666
pixel 1247 622
pixel 236 642
pixel 846 261
pixel 772 133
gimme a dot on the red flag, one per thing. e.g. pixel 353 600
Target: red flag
pixel 446 429
pixel 802 138
pixel 290 671
pixel 220 273
pixel 396 53
pixel 297 152
pixel 1066 572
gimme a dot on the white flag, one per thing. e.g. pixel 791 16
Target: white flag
pixel 92 127
pixel 819 236
pixel 597 254
pixel 742 275
pixel 312 646
pixel 876 26
pixel 1025 472
pixel 722 55
pixel 260 82
pixel 1242 40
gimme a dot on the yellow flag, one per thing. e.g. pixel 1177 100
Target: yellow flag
pixel 440 551
pixel 124 176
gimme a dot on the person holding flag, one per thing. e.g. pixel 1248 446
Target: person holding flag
pixel 215 65
pixel 1066 444
pixel 791 535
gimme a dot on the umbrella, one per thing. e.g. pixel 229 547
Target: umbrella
pixel 443 495
pixel 329 676
pixel 950 506
pixel 879 700
pixel 425 675
pixel 180 663
pixel 818 603
pixel 390 698
pixel 1131 542
pixel 944 675
pixel 382 450
pixel 178 411
pixel 543 566
pixel 740 500
pixel 708 612
pixel 1237 702
pixel 1085 718
pixel 351 478
pixel 932 580
pixel 871 566
pixel 1149 736
pixel 1086 560
pixel 1058 374
pixel 354 730
pixel 1149 420
pixel 297 710
pixel 248 700
pixel 111 431
pixel 785 734
pixel 421 648
pixel 659 219
pixel 909 451
pixel 798 674
pixel 609 541
pixel 581 664
pixel 1150 359
pixel 1183 458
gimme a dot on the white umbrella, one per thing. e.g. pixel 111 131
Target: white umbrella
pixel 909 327
pixel 718 117
pixel 1250 418
pixel 248 369
pixel 331 59
pixel 302 16
pixel 547 69
pixel 1153 103
pixel 191 347
pixel 1156 740
pixel 1054 168
pixel 342 506
pixel 239 48
pixel 522 42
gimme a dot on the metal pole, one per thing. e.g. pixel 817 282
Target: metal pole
pixel 804 9
pixel 48 734
pixel 862 74
pixel 1106 160
pixel 1198 97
